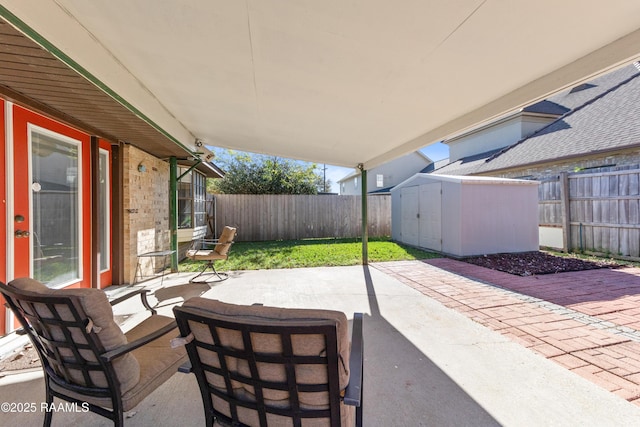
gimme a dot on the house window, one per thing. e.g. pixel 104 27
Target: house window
pixel 379 180
pixel 355 182
pixel 192 194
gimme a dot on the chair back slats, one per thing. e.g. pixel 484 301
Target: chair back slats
pixel 290 369
pixel 64 350
pixel 257 385
pixel 68 349
pixel 257 376
pixel 223 371
pixel 86 357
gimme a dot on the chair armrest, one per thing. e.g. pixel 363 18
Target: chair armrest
pixel 353 392
pixel 143 296
pixel 216 242
pixel 128 295
pixel 208 241
pixel 202 243
pixel 110 355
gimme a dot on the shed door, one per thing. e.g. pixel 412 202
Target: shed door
pixel 431 216
pixel 409 204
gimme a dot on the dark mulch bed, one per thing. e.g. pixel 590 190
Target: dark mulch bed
pixel 534 263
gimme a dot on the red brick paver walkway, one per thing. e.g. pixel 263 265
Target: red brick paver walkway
pixel 587 321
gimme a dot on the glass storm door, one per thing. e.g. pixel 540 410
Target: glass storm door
pixel 55 208
pixel 50 234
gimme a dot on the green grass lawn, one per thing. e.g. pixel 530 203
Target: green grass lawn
pixel 309 253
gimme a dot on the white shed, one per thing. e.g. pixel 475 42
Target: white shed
pixel 466 215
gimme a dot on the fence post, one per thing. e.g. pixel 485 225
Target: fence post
pixel 566 211
pixel 365 222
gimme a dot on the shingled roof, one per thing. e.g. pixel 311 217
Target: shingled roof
pixel 467 165
pixel 581 94
pixel 602 116
pixel 546 107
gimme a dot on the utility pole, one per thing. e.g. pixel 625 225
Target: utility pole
pixel 324 178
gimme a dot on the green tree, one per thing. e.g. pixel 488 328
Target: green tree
pixel 260 174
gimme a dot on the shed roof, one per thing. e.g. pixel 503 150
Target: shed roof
pixel 462 180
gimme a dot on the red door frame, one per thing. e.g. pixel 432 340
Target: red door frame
pixel 3 214
pixel 19 127
pixel 21 119
pixel 105 278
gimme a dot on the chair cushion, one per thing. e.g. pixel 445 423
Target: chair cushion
pixel 309 345
pixel 250 417
pixel 228 233
pixel 204 255
pixel 96 306
pixel 158 363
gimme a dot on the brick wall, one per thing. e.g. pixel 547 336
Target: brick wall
pixel 146 210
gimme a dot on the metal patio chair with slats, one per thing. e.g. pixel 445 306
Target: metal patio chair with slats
pixel 86 358
pixel 266 366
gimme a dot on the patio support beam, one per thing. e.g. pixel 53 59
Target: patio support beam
pixel 198 161
pixel 173 211
pixel 365 222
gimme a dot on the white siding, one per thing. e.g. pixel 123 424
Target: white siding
pixel 498 136
pixel 501 134
pixel 393 172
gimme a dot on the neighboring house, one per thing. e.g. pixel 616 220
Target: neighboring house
pixel 598 133
pixel 503 132
pixel 381 179
pixel 593 125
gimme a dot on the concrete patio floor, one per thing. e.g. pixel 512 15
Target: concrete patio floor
pixel 586 321
pixel 428 360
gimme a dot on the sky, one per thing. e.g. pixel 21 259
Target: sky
pixel 435 152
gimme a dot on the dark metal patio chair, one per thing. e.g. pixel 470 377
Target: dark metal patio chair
pixel 86 358
pixel 266 366
pixel 212 250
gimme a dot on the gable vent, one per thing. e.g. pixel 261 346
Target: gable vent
pixel 583 86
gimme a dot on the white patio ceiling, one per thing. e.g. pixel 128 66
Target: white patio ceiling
pixel 332 81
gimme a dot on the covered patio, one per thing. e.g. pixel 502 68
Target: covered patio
pixel 425 364
pixel 350 84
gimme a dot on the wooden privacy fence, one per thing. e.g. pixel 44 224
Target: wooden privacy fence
pixel 292 217
pixel 598 212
